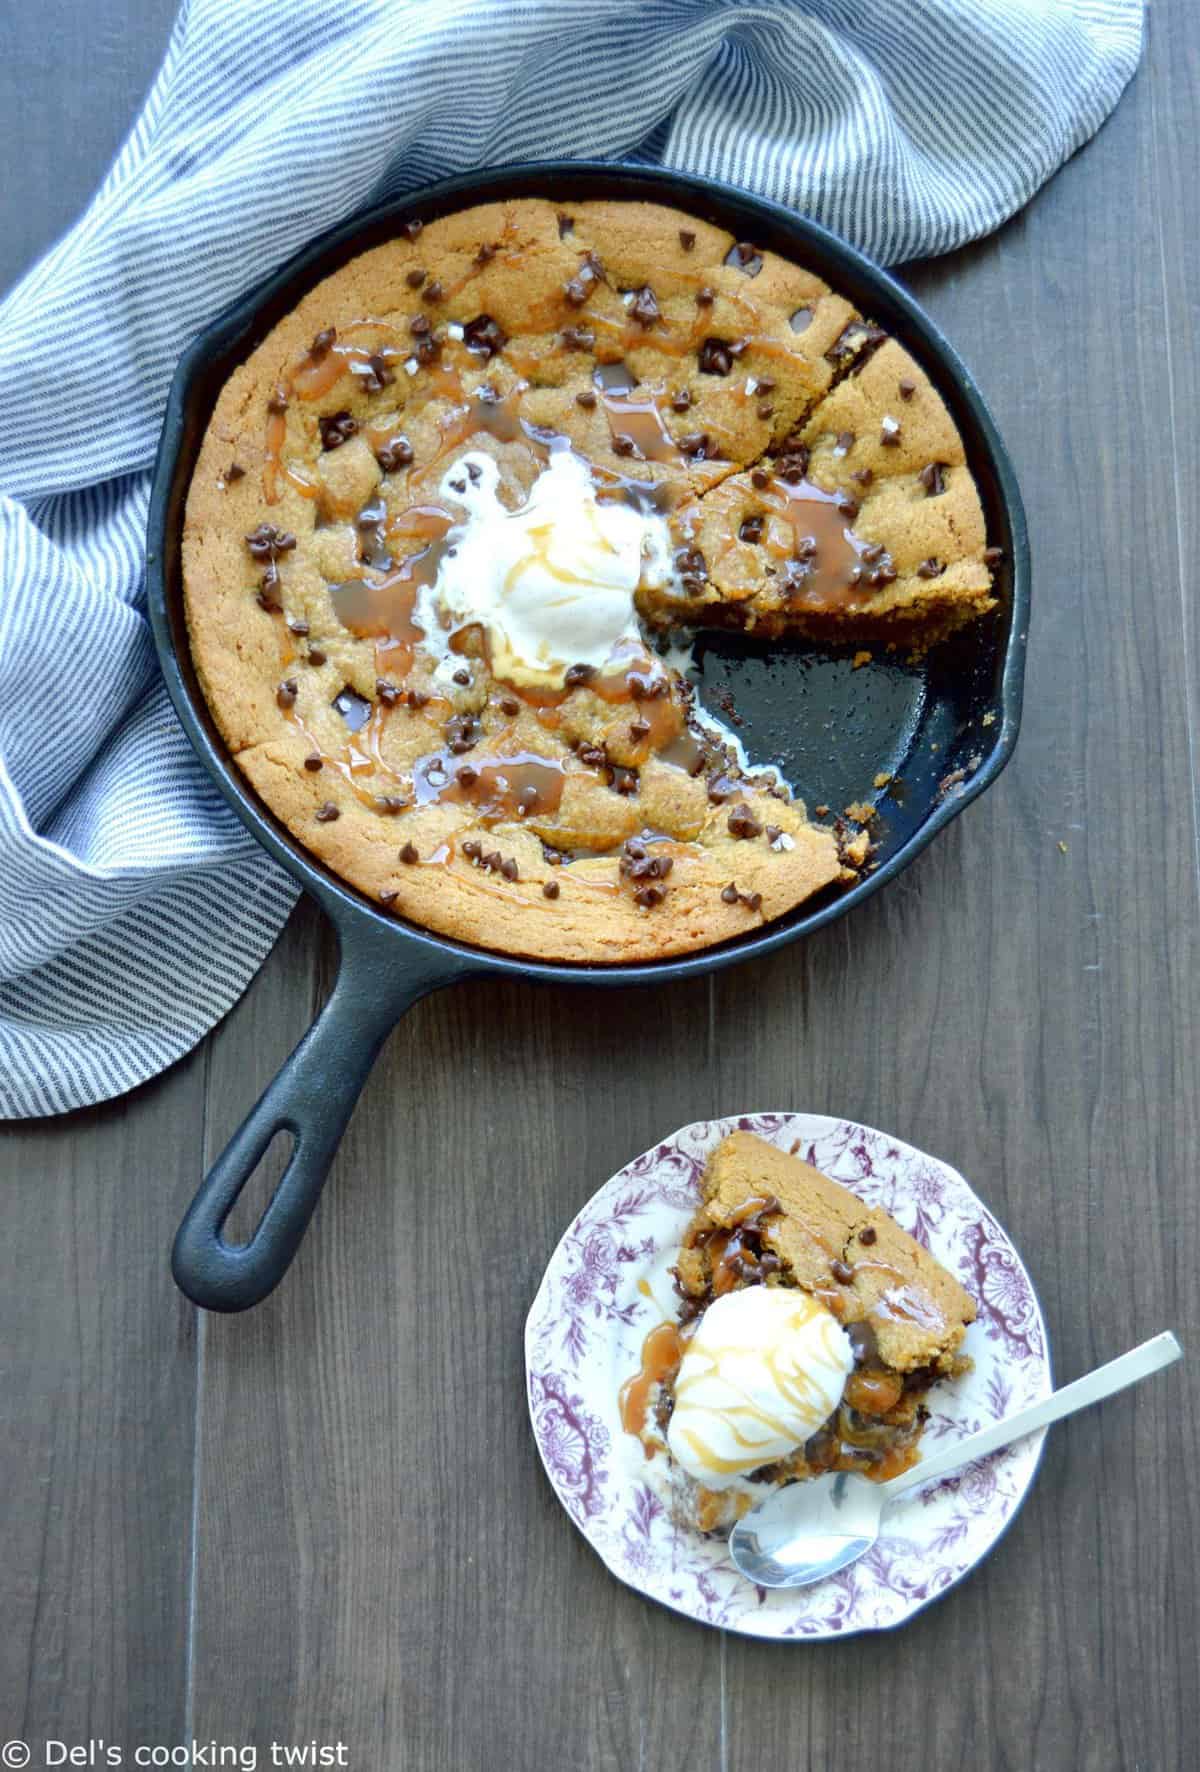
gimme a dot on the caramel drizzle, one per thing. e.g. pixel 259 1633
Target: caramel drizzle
pixel 662 1352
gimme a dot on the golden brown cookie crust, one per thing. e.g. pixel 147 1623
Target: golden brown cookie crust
pixel 918 1310
pixel 673 294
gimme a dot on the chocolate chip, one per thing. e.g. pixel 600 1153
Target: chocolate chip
pixel 848 506
pixel 624 446
pixel 751 529
pixel 472 849
pixel 286 694
pixel 889 432
pixel 409 854
pixel 411 228
pixel 267 543
pixel 933 479
pixel 705 297
pixel 234 472
pixel 375 374
pixel 759 478
pixel 582 284
pixel 327 813
pixel 730 894
pixel 576 338
pixel 416 698
pixel 433 293
pixel 462 733
pixel 337 428
pixel 907 388
pixel 387 692
pixel 864 476
pixel 466 774
pixel 992 556
pixel 845 442
pixel 266 600
pixel 390 805
pixel 792 465
pixel 644 307
pixel 277 401
pixel 388 896
pixel 566 225
pixel 587 400
pixel 316 656
pixel 415 278
pixel 551 889
pixel 841 1272
pixel 625 781
pixel 639 729
pixel 681 400
pixel 510 870
pixel 930 568
pixel 745 258
pixel 872 552
pixel 884 574
pixel 766 410
pixel 462 677
pixel 867 1235
pixel 420 325
pixel 690 563
pixel 298 627
pixel 716 358
pixel 648 896
pixel 752 902
pixel 483 336
pixel 687 239
pixel 322 344
pixel 313 762
pixel 742 822
pixel 698 446
pixel 354 708
pixel 484 256
pixel 855 343
pixel 721 788
pixel 579 673
pixel 394 454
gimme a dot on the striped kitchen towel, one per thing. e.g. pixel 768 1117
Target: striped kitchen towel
pixel 133 907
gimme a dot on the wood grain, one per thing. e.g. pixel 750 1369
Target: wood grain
pixel 378 1557
pixel 97 1407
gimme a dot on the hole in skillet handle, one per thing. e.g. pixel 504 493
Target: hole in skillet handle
pixel 312 1098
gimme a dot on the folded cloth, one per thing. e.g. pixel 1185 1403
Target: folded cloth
pixel 133 907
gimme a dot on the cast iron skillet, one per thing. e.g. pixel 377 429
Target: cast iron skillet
pixel 832 728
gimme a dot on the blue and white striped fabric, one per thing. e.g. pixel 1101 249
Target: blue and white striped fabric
pixel 133 908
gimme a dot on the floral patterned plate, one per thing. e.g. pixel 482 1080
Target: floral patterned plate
pixel 608 1284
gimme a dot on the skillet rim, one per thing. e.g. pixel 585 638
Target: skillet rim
pixel 228 338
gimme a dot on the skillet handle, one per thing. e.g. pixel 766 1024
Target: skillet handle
pixel 312 1097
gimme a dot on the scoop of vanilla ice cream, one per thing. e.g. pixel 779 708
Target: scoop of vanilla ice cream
pixel 764 1369
pixel 553 582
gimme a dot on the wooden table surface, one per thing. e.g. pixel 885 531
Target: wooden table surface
pixel 326 1520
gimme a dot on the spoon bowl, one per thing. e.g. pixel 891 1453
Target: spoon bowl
pixel 807 1531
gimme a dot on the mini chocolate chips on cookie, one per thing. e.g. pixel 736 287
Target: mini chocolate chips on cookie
pixel 443 511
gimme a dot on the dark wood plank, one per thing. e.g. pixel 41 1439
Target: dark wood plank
pixel 381 1557
pixel 72 79
pixel 97 1408
pixel 1031 1015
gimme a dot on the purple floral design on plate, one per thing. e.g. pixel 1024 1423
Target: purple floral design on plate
pixel 607 1284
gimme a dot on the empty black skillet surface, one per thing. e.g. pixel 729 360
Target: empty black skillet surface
pixel 945 725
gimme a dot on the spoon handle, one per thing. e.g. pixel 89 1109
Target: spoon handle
pixel 1137 1364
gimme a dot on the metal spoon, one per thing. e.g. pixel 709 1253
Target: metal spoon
pixel 809 1530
